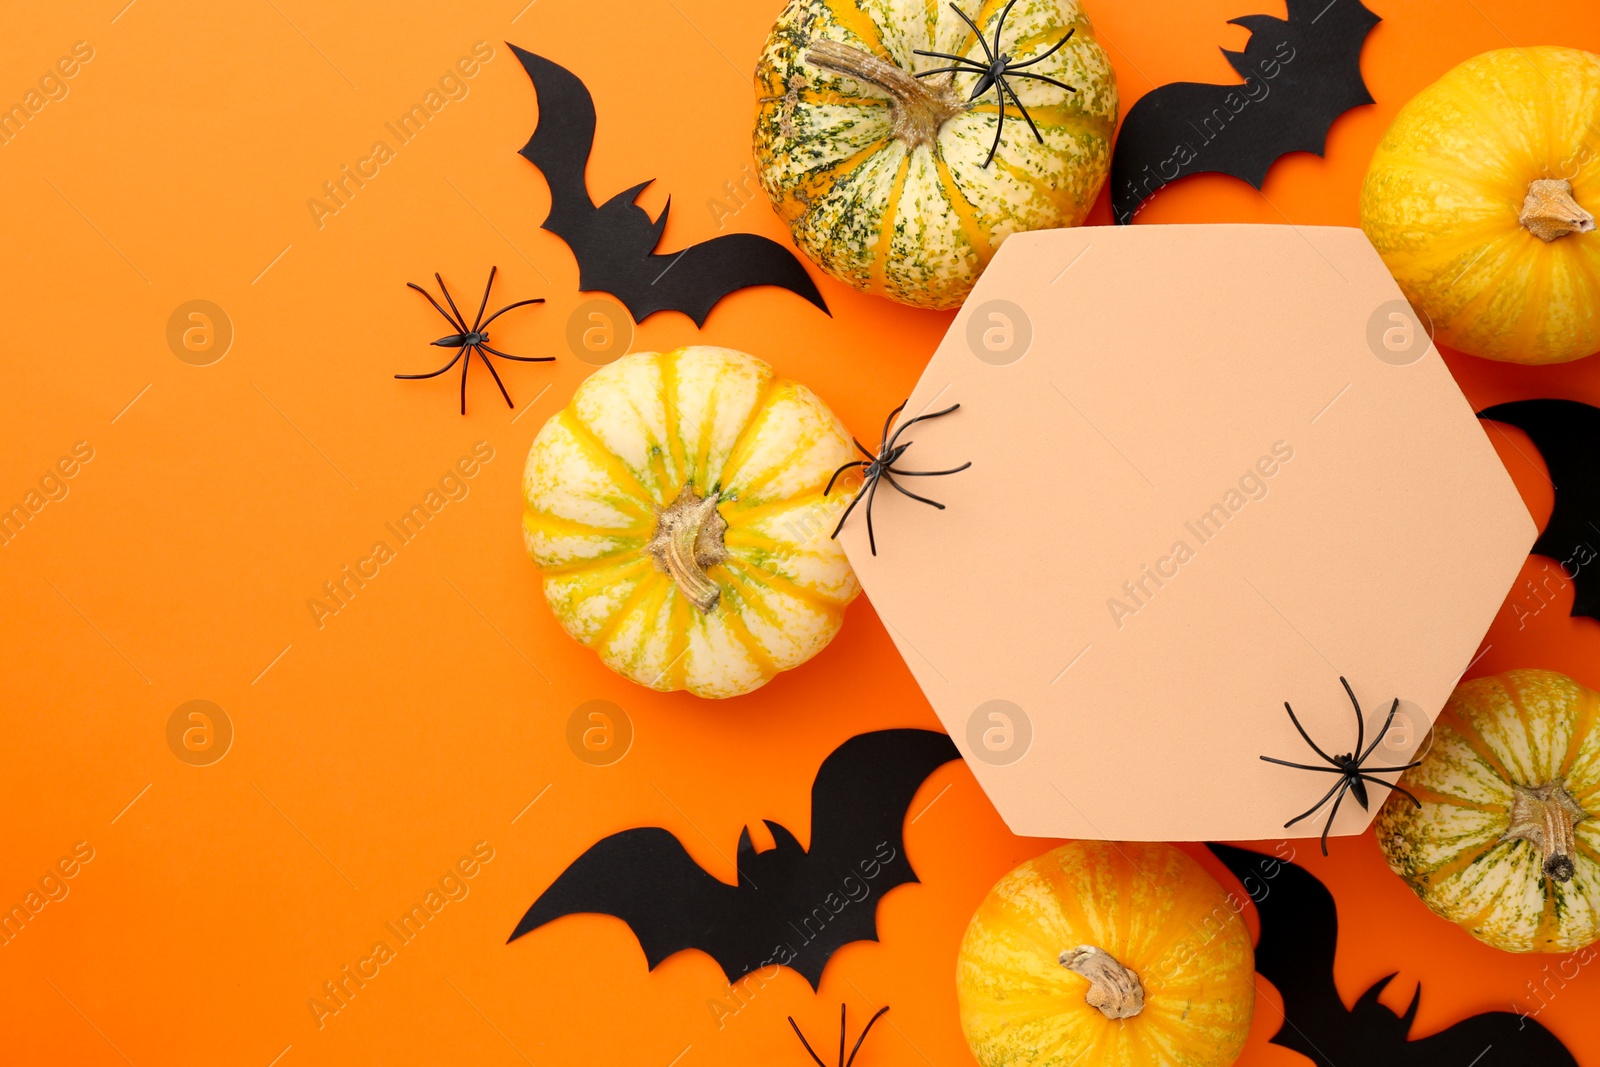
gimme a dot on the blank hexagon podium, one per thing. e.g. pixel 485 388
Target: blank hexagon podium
pixel 1214 469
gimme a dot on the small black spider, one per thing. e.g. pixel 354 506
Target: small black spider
pixel 466 341
pixel 994 73
pixel 880 467
pixel 842 1061
pixel 1351 769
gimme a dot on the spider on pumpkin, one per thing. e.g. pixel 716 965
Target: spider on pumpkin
pixel 1350 767
pixel 842 1061
pixel 467 341
pixel 994 74
pixel 881 467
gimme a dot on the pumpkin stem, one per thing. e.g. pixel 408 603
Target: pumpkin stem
pixel 1549 211
pixel 1113 988
pixel 919 110
pixel 687 541
pixel 1545 815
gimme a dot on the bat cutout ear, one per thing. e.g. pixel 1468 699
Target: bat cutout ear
pixel 616 247
pixel 1300 74
pixel 1564 432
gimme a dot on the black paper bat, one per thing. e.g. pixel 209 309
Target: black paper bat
pixel 1299 75
pixel 791 907
pixel 1564 432
pixel 1299 933
pixel 614 243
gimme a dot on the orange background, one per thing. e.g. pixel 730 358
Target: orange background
pixel 371 753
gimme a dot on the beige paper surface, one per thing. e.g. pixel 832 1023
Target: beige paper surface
pixel 1214 468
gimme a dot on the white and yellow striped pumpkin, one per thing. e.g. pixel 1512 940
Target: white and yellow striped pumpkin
pixel 1507 843
pixel 676 508
pixel 880 174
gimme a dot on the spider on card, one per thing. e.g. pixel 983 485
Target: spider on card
pixel 1351 767
pixel 474 340
pixel 881 468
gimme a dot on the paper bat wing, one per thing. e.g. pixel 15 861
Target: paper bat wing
pixel 1493 1039
pixel 1564 432
pixel 693 280
pixel 645 878
pixel 560 143
pixel 1299 935
pixel 858 812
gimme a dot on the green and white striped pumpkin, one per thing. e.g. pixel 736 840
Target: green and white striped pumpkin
pixel 881 175
pixel 1507 843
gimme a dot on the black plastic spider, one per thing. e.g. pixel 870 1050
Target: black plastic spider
pixel 880 467
pixel 842 1061
pixel 1351 769
pixel 994 73
pixel 466 341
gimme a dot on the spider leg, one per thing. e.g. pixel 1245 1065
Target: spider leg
pixel 460 326
pixel 912 495
pixel 436 373
pixel 497 380
pixel 1043 55
pixel 508 307
pixel 872 540
pixel 1397 788
pixel 884 441
pixel 999 130
pixel 841 470
pixel 975 31
pixel 929 474
pixel 841 1033
pixel 1000 25
pixel 1381 733
pixel 1303 766
pixel 1312 810
pixel 851 1061
pixel 1361 722
pixel 446 291
pixel 520 359
pixel 1314 746
pixel 1402 767
pixel 852 506
pixel 1329 824
pixel 912 422
pixel 1041 78
pixel 806 1043
pixel 465 364
pixel 968 60
pixel 942 70
pixel 486 288
pixel 1006 86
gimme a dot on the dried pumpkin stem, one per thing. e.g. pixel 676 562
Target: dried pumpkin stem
pixel 919 109
pixel 688 541
pixel 1545 816
pixel 1113 988
pixel 1549 211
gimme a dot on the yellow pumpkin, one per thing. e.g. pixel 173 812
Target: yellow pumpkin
pixel 676 508
pixel 1479 200
pixel 883 176
pixel 1507 842
pixel 1122 955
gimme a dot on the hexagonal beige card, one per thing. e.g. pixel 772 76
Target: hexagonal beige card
pixel 1214 469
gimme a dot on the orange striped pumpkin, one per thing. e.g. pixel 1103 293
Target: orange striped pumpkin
pixel 1506 842
pixel 676 508
pixel 881 175
pixel 1103 953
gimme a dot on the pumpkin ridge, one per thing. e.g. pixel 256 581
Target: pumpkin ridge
pixel 560 526
pixel 607 460
pixel 758 416
pixel 667 367
pixel 679 622
pixel 1441 169
pixel 577 566
pixel 648 586
pixel 1505 262
pixel 966 214
pixel 883 248
pixel 848 16
pixel 1476 742
pixel 778 583
pixel 733 619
